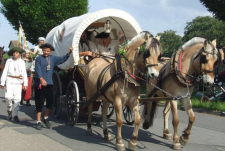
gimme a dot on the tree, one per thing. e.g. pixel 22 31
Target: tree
pixel 38 17
pixel 207 27
pixel 170 42
pixel 217 7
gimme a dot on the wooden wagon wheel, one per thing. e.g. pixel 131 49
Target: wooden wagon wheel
pixel 72 100
pixel 128 115
pixel 110 110
pixel 57 106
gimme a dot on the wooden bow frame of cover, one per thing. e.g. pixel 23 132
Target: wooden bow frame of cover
pixel 96 25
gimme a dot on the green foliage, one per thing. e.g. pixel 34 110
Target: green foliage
pixel 216 7
pixel 123 49
pixel 38 17
pixel 6 56
pixel 207 27
pixel 170 42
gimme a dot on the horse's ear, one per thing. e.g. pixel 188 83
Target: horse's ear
pixel 214 43
pixel 147 36
pixel 207 47
pixel 158 38
pixel 3 47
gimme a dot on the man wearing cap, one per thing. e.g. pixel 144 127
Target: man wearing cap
pixel 44 66
pixel 14 76
pixel 37 49
pixel 107 46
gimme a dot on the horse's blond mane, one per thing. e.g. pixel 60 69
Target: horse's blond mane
pixel 136 38
pixel 193 41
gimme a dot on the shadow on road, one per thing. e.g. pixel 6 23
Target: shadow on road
pixel 79 133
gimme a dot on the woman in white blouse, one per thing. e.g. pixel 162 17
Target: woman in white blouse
pixel 107 46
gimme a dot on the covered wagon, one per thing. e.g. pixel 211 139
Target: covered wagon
pixel 68 77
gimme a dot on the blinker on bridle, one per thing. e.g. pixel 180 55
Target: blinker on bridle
pixel 147 53
pixel 203 60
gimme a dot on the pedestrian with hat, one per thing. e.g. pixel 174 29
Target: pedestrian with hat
pixel 44 67
pixel 107 46
pixel 14 77
pixel 26 94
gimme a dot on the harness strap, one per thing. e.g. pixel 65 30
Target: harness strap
pixel 160 81
pixel 100 78
pixel 106 59
pixel 102 90
pixel 151 65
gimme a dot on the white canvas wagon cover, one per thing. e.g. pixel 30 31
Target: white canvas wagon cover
pixel 69 32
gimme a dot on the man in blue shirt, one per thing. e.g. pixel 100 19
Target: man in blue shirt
pixel 44 67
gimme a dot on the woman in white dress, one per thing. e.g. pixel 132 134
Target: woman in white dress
pixel 107 46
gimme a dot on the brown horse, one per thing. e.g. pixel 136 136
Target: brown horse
pixel 193 61
pixel 125 89
pixel 2 61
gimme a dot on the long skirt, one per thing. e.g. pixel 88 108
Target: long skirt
pixel 27 94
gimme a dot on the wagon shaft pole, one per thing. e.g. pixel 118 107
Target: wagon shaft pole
pixel 155 99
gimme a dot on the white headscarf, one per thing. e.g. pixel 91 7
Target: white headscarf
pixel 41 38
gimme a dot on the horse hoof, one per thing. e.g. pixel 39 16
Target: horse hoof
pixel 89 132
pixel 131 145
pixel 176 146
pixel 168 136
pixel 107 137
pixel 183 141
pixel 146 125
pixel 120 147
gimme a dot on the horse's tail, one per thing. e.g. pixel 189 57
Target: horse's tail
pixel 152 113
pixel 149 120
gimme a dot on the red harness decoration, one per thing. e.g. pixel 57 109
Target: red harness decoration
pixel 133 77
pixel 180 66
pixel 180 61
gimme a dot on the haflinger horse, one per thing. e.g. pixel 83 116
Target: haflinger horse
pixel 124 90
pixel 195 60
pixel 2 61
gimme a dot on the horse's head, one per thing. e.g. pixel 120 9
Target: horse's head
pixel 205 61
pixel 150 55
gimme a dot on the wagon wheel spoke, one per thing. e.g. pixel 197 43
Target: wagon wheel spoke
pixel 72 108
pixel 128 115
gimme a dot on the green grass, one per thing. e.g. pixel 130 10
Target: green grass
pixel 213 105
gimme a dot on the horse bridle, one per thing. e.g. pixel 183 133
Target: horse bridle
pixel 203 60
pixel 147 53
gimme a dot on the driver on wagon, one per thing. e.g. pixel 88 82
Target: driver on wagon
pixel 87 47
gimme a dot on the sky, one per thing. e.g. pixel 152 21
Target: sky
pixel 152 15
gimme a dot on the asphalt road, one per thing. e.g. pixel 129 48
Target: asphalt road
pixel 208 133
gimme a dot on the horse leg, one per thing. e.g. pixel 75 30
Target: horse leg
pixel 119 123
pixel 188 108
pixel 90 109
pixel 133 142
pixel 166 112
pixel 146 123
pixel 104 118
pixel 175 121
